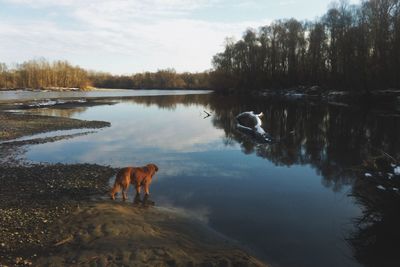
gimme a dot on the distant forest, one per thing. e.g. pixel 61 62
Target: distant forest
pixel 351 47
pixel 43 74
pixel 162 79
pixel 40 74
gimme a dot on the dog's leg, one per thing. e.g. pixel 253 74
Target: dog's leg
pixel 125 192
pixel 147 202
pixel 137 200
pixel 146 188
pixel 114 190
pixel 137 186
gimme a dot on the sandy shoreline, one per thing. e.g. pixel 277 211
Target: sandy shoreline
pixel 44 205
pixel 109 233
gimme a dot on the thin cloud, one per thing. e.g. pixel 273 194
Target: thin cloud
pixel 136 35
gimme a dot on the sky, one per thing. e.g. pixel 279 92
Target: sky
pixel 128 36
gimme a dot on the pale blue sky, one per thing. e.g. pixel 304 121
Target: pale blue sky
pixel 125 36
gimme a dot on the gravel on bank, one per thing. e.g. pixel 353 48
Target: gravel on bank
pixel 34 197
pixel 15 125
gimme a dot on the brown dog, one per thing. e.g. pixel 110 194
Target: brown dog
pixel 138 176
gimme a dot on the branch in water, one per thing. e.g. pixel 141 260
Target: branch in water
pixel 207 114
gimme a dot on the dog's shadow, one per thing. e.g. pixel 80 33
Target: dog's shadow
pixel 145 202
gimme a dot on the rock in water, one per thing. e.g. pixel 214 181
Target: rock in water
pixel 397 170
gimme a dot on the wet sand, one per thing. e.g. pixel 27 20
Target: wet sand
pixel 110 233
pixel 51 214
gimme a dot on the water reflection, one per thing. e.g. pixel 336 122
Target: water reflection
pixel 144 202
pixel 59 112
pixel 139 133
pixel 332 139
pixel 375 242
pixel 268 196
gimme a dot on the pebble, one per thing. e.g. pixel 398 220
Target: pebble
pixel 381 187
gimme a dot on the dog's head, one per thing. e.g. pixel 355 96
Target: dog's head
pixel 153 168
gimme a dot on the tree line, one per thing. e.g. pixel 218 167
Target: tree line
pixel 40 73
pixel 162 79
pixel 43 74
pixel 351 47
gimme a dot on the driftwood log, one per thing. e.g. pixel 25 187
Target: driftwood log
pixel 250 124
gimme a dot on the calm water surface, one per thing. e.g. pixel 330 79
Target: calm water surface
pixel 288 202
pixel 28 95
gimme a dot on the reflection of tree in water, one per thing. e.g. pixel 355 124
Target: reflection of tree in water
pixel 171 101
pixel 64 112
pixel 331 139
pixel 376 240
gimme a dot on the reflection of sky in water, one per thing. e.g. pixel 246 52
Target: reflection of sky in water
pixel 138 135
pixel 285 214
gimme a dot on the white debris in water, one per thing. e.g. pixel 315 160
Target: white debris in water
pixel 390 175
pixel 367 174
pixel 49 102
pixel 395 189
pixel 393 165
pixel 295 95
pixel 381 187
pixel 334 93
pixel 397 170
pixel 256 128
pixel 44 103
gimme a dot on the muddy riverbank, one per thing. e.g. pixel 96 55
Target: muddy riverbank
pixel 14 125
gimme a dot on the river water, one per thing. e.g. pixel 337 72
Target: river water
pixel 289 202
